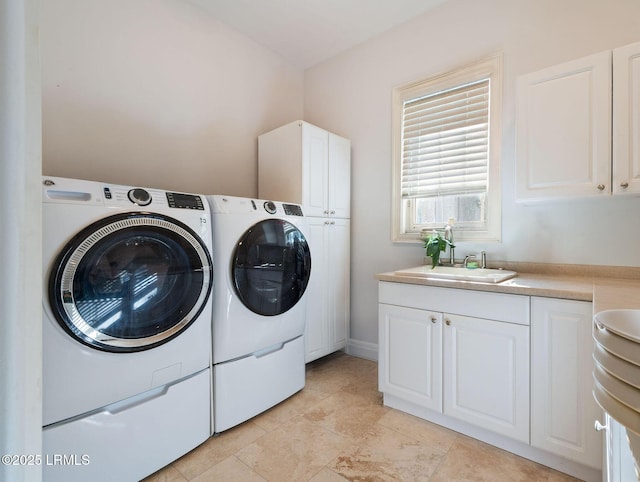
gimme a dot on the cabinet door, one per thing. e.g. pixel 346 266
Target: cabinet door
pixel 486 374
pixel 315 170
pixel 563 130
pixel 339 272
pixel 317 327
pixel 626 119
pixel 327 325
pixel 410 355
pixel 339 184
pixel 563 410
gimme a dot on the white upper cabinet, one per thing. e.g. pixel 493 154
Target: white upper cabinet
pixel 564 137
pixel 626 119
pixel 339 184
pixel 563 131
pixel 305 164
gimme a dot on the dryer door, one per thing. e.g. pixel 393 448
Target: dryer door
pixel 271 267
pixel 130 282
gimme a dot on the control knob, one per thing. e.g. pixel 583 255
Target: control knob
pixel 270 207
pixel 140 197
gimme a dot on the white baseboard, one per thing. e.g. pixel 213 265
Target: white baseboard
pixel 362 349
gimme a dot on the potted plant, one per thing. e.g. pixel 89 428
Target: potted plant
pixel 435 244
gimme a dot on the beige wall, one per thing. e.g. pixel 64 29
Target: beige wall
pixel 157 93
pixel 351 94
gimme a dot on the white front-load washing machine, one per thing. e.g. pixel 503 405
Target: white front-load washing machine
pixel 126 329
pixel 263 264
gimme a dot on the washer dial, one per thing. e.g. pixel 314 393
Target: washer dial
pixel 270 207
pixel 140 197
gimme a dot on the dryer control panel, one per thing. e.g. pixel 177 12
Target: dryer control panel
pixel 292 209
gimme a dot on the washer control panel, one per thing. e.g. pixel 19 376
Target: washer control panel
pixel 143 197
pixel 184 201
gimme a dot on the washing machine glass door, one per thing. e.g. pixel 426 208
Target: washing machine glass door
pixel 130 282
pixel 271 267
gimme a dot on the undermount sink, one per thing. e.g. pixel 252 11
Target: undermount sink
pixel 485 275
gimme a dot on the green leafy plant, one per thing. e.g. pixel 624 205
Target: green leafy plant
pixel 436 244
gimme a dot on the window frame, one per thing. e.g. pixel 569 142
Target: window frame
pixel 491 68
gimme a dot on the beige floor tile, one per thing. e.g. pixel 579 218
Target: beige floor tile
pixel 427 432
pixel 472 460
pixel 326 475
pixel 218 448
pixel 296 451
pixel 289 409
pixel 385 454
pixel 230 469
pixel 555 476
pixel 335 372
pixel 168 474
pixel 337 429
pixel 346 414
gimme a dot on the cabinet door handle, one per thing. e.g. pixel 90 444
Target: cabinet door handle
pixel 327 211
pixel 333 212
pixel 624 184
pixel 599 427
pixel 447 321
pixel 434 319
pixel 601 187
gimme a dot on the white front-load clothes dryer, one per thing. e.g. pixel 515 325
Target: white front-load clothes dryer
pixel 126 329
pixel 263 265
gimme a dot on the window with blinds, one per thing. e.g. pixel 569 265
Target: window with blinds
pixel 445 139
pixel 445 131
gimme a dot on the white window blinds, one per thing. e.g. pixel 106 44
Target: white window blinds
pixel 445 142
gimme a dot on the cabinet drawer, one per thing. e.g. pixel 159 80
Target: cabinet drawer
pixel 479 304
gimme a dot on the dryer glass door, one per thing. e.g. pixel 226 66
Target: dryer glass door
pixel 271 267
pixel 130 282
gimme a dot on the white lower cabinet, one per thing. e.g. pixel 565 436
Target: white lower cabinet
pixel 328 291
pixel 486 374
pixel 563 410
pixel 471 369
pixel 511 370
pixel 410 359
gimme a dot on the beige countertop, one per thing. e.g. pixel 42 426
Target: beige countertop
pixel 607 287
pixel 611 294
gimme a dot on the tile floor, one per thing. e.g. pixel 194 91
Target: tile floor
pixel 337 429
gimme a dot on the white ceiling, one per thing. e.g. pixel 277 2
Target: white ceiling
pixel 306 32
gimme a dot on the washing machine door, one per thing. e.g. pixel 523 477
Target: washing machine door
pixel 130 282
pixel 271 267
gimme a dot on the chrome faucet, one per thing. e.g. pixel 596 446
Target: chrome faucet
pixel 448 236
pixel 467 258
